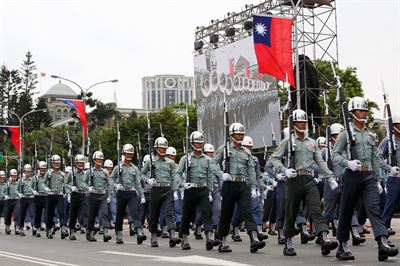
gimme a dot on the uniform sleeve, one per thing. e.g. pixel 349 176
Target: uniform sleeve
pixel 110 184
pixel 68 183
pixel 210 176
pixel 321 163
pixel 269 168
pixel 251 172
pixel 46 179
pixel 114 173
pixel 375 161
pixel 338 149
pixel 383 151
pixel 174 181
pixel 138 185
pixel 179 171
pixel 145 171
pixel 278 155
pixel 218 160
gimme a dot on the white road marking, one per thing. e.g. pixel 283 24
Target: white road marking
pixel 193 259
pixel 34 259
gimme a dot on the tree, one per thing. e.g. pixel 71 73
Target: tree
pixel 41 119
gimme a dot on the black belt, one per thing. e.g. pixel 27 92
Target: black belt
pixel 55 193
pixel 305 172
pixel 199 185
pixel 366 168
pixel 238 179
pixel 162 184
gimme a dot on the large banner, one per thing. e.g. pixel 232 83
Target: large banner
pixel 252 98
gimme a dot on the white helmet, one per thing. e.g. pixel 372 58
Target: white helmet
pixel 98 155
pixel 13 172
pixel 146 158
pixel 197 137
pixel 286 132
pixel 358 103
pixel 27 167
pixel 42 164
pixel 68 169
pixel 79 158
pixel 235 128
pixel 300 116
pixel 161 142
pixel 108 163
pixel 55 159
pixel 396 118
pixel 170 151
pixel 247 141
pixel 128 148
pixel 208 147
pixel 336 128
pixel 2 174
pixel 321 141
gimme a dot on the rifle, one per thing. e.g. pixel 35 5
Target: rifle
pixel 281 119
pixel 138 153
pixel 265 149
pixel 90 162
pixel 392 145
pixel 149 139
pixel 328 135
pixel 314 133
pixel 225 162
pixel 35 169
pixel 50 154
pixel 119 155
pixel 291 147
pixel 187 159
pixel 346 117
pixel 273 136
pixel 21 175
pixel 70 156
pixel 161 131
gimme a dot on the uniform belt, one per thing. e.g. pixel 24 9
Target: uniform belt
pixel 238 179
pixel 127 189
pixel 55 193
pixel 339 178
pixel 98 191
pixel 366 168
pixel 28 196
pixel 199 185
pixel 14 197
pixel 42 194
pixel 162 184
pixel 305 172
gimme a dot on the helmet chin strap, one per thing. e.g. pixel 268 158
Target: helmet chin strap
pixel 398 131
pixel 195 149
pixel 359 119
pixel 97 163
pixel 236 141
pixel 160 153
pixel 304 131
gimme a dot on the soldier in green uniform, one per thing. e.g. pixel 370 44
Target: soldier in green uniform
pixel 198 185
pixel 129 192
pixel 12 202
pixel 77 183
pixel 100 192
pixel 40 197
pixel 239 187
pixel 3 189
pixel 163 186
pixel 300 184
pixel 26 194
pixel 54 186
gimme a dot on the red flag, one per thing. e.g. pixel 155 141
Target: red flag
pixel 231 67
pixel 13 134
pixel 273 46
pixel 42 74
pixel 79 107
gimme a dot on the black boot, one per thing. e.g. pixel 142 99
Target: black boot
pixel 289 249
pixel 327 245
pixel 210 242
pixel 64 232
pixel 106 236
pixel 197 233
pixel 223 246
pixel 119 239
pixel 356 238
pixel 153 241
pixel 260 234
pixel 140 236
pixel 49 233
pixel 343 252
pixel 21 231
pixel 235 235
pixel 164 233
pixel 255 245
pixel 72 234
pixel 281 238
pixel 391 232
pixel 8 230
pixel 132 231
pixel 384 250
pixel 173 241
pixel 34 231
pixel 185 242
pixel 17 231
pixel 90 237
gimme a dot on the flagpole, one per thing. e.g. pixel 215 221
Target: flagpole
pixel 296 42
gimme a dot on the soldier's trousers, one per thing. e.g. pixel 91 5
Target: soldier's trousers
pixel 158 197
pixel 12 205
pixel 144 209
pixel 216 209
pixel 97 204
pixel 360 185
pixel 26 204
pixel 196 197
pixel 40 206
pixel 2 207
pixel 392 199
pixel 127 199
pixel 77 206
pixel 53 202
pixel 177 210
pixel 302 189
pixel 280 204
pixel 235 192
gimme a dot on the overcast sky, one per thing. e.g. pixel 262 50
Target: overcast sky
pixel 91 41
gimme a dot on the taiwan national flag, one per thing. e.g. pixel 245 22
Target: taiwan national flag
pixel 273 46
pixel 79 107
pixel 12 133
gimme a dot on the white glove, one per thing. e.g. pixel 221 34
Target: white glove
pixel 210 198
pixel 74 189
pixel 91 189
pixel 270 188
pixel 46 189
pixel 394 171
pixel 274 183
pixel 176 195
pixel 69 198
pixel 317 180
pixel 258 194
pixel 280 176
pixel 119 187
pixel 151 181
pixel 142 200
pixel 187 185
pixel 290 173
pixel 380 188
pixel 354 165
pixel 7 197
pixel 332 183
pixel 35 192
pixel 108 200
pixel 21 195
pixel 253 193
pixel 226 177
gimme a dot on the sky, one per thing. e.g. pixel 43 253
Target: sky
pixel 90 41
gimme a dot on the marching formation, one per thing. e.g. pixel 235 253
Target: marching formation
pixel 220 190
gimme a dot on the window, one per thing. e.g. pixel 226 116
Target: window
pixel 65 113
pixel 58 114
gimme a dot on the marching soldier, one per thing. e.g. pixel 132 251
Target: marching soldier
pixel 40 197
pixel 12 202
pixel 77 185
pixel 237 189
pixel 3 191
pixel 145 207
pixel 198 190
pixel 300 184
pixel 26 193
pixel 163 186
pixel 54 186
pixel 360 180
pixel 100 192
pixel 129 192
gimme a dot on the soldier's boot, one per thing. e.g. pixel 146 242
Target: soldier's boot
pixel 164 232
pixel 260 234
pixel 211 241
pixel 72 234
pixel 101 230
pixel 64 232
pixel 327 245
pixel 49 233
pixel 56 227
pixel 391 232
pixel 356 238
pixel 173 241
pixel 343 252
pixel 132 231
pixel 384 250
pixel 34 231
pixel 28 227
pixel 235 235
pixel 119 239
pixel 21 231
pixel 185 242
pixel 197 233
pixel 140 236
pixel 289 249
pixel 281 238
pixel 154 241
pixel 159 232
pixel 334 227
pixel 8 230
pixel 16 230
pixel 90 236
pixel 37 232
pixel 390 243
pixel 223 246
pixel 272 230
pixel 106 236
pixel 82 230
pixel 255 245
